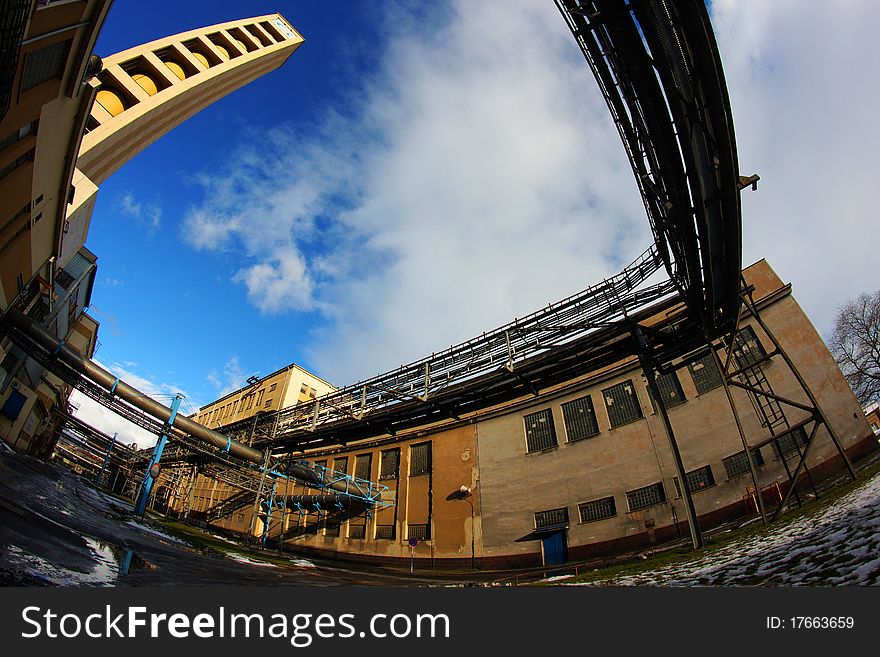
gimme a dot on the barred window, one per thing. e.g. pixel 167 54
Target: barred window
pixel 540 432
pixel 705 374
pixel 357 531
pixel 748 349
pixel 385 532
pixel 45 64
pixel 622 404
pixel 421 532
pixel 790 441
pixel 738 464
pixel 341 464
pixel 362 466
pixel 420 459
pixel 642 498
pixel 331 525
pixel 597 509
pixel 390 463
pixel 551 518
pixel 700 479
pixel 670 390
pixel 580 419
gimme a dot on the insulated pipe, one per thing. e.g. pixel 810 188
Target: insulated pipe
pixel 319 501
pixel 136 398
pixel 139 400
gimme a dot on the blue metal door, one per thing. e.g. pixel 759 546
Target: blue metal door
pixel 555 549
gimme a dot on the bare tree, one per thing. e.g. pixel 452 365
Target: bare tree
pixel 855 344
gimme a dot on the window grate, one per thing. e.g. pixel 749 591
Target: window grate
pixel 597 509
pixel 385 532
pixel 357 531
pixel 670 390
pixel 390 464
pixel 420 532
pixel 705 374
pixel 700 479
pixel 331 525
pixel 45 64
pixel 363 465
pixel 642 498
pixel 420 459
pixel 580 419
pixel 540 432
pixel 551 518
pixel 622 404
pixel 738 464
pixel 748 350
pixel 790 442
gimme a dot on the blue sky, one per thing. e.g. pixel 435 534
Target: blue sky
pixel 417 173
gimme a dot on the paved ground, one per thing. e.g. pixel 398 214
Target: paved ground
pixel 57 530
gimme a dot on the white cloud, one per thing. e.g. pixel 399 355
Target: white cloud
pixel 232 378
pixel 148 216
pixel 802 82
pixel 477 177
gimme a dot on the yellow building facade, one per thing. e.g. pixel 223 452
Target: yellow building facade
pixel 586 462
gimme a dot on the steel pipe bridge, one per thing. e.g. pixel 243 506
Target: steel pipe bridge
pixel 658 67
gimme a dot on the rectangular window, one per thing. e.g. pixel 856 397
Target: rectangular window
pixel 580 419
pixel 18 135
pixel 670 389
pixel 357 531
pixel 250 402
pixel 362 466
pixel 622 404
pixel 540 432
pixel 385 532
pixel 331 525
pixel 790 441
pixel 17 162
pixel 268 403
pixel 642 498
pixel 551 518
pixel 272 387
pixel 748 350
pixel 421 532
pixel 738 464
pixel 341 464
pixel 597 509
pixel 45 64
pixel 700 479
pixel 420 459
pixel 390 464
pixel 705 374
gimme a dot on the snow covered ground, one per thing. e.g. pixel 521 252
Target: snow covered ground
pixel 838 545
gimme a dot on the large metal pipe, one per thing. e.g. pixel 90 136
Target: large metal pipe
pixel 136 398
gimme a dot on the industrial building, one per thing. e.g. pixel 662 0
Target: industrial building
pixel 631 413
pixel 580 469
